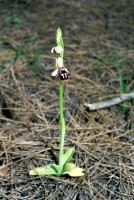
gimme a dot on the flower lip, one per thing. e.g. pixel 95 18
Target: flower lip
pixel 61 72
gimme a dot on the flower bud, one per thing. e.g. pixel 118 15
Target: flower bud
pixel 58 36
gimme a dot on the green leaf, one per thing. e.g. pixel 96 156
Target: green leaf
pixel 68 155
pixel 69 166
pixel 72 170
pixel 45 170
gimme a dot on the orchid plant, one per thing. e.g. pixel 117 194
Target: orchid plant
pixel 64 166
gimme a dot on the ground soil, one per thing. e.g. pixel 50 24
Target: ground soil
pixel 99 52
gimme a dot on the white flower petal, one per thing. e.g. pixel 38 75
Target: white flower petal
pixel 55 72
pixel 57 49
pixel 60 62
pixel 53 49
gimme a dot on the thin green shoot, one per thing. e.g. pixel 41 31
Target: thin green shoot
pixel 120 75
pixel 34 61
pixel 18 50
pixel 5 58
pixel 12 19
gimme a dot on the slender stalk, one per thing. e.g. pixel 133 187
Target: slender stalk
pixel 62 121
pixel 119 73
pixel 59 42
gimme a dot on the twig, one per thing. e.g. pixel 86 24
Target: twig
pixel 111 102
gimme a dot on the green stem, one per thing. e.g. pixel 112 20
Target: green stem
pixel 119 73
pixel 62 136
